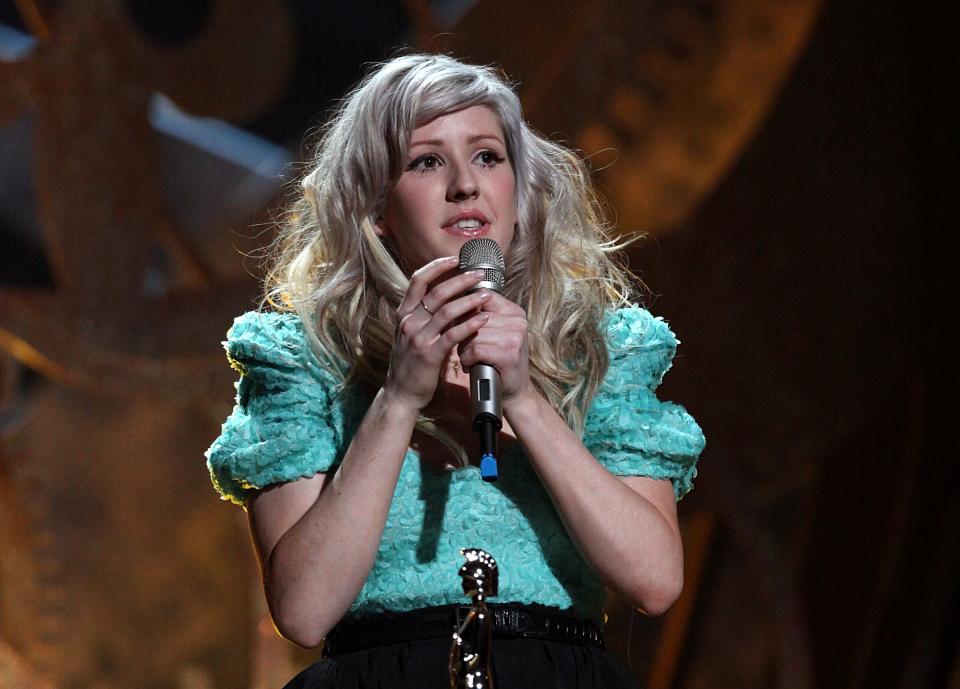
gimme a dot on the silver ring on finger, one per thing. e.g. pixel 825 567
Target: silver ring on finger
pixel 426 309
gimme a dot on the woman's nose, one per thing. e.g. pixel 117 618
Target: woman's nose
pixel 463 185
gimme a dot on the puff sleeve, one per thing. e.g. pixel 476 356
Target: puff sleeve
pixel 629 430
pixel 288 419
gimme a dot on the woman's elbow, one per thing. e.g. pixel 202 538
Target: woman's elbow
pixel 303 633
pixel 299 624
pixel 304 637
pixel 655 597
pixel 658 602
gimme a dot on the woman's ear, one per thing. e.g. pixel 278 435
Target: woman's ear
pixel 380 227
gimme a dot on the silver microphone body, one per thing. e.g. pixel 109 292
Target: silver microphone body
pixel 486 413
pixel 485 391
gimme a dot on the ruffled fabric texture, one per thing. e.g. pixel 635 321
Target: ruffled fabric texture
pixel 629 430
pixel 289 416
pixel 291 420
pixel 433 515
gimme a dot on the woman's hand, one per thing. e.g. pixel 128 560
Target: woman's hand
pixel 501 342
pixel 434 318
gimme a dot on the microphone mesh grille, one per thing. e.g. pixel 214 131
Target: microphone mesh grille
pixel 483 253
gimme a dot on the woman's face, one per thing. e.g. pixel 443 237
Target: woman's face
pixel 456 184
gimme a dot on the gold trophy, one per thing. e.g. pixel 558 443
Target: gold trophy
pixel 470 651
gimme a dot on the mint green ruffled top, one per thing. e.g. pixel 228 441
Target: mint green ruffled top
pixel 293 420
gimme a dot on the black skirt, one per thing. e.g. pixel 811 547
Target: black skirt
pixel 517 664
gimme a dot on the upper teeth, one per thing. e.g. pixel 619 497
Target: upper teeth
pixel 468 224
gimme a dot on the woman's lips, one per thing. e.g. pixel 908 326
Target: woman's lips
pixel 476 223
pixel 469 232
pixel 465 215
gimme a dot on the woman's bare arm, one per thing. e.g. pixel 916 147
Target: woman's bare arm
pixel 626 528
pixel 317 538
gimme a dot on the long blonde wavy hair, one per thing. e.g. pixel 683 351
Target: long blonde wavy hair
pixel 331 268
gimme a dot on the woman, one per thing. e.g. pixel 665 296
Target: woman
pixel 350 447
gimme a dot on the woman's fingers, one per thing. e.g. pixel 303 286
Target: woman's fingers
pixel 499 304
pixel 432 340
pixel 442 292
pixel 460 332
pixel 424 285
pixel 502 343
pixel 433 311
pixel 505 332
pixel 452 313
pixel 420 282
pixel 435 316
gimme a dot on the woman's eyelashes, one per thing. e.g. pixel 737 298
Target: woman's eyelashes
pixel 431 161
pixel 425 163
pixel 489 158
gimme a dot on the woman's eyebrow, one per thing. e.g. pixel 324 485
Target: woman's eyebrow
pixel 480 137
pixel 427 142
pixel 474 138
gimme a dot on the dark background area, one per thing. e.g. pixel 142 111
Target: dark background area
pixel 812 289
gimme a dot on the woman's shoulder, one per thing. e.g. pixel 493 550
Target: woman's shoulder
pixel 288 421
pixel 630 430
pixel 268 337
pixel 641 346
pixel 256 328
pixel 267 322
pixel 634 327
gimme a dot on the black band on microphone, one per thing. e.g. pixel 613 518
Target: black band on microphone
pixel 487 426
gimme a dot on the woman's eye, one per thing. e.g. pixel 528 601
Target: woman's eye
pixel 489 158
pixel 424 163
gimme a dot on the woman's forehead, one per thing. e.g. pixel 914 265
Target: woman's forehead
pixel 474 122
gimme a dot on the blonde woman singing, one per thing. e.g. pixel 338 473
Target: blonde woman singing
pixel 350 445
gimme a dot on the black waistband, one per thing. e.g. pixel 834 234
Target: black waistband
pixel 510 621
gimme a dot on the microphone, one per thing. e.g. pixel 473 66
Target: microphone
pixel 485 254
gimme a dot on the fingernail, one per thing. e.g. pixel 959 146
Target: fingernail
pixel 478 273
pixel 485 295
